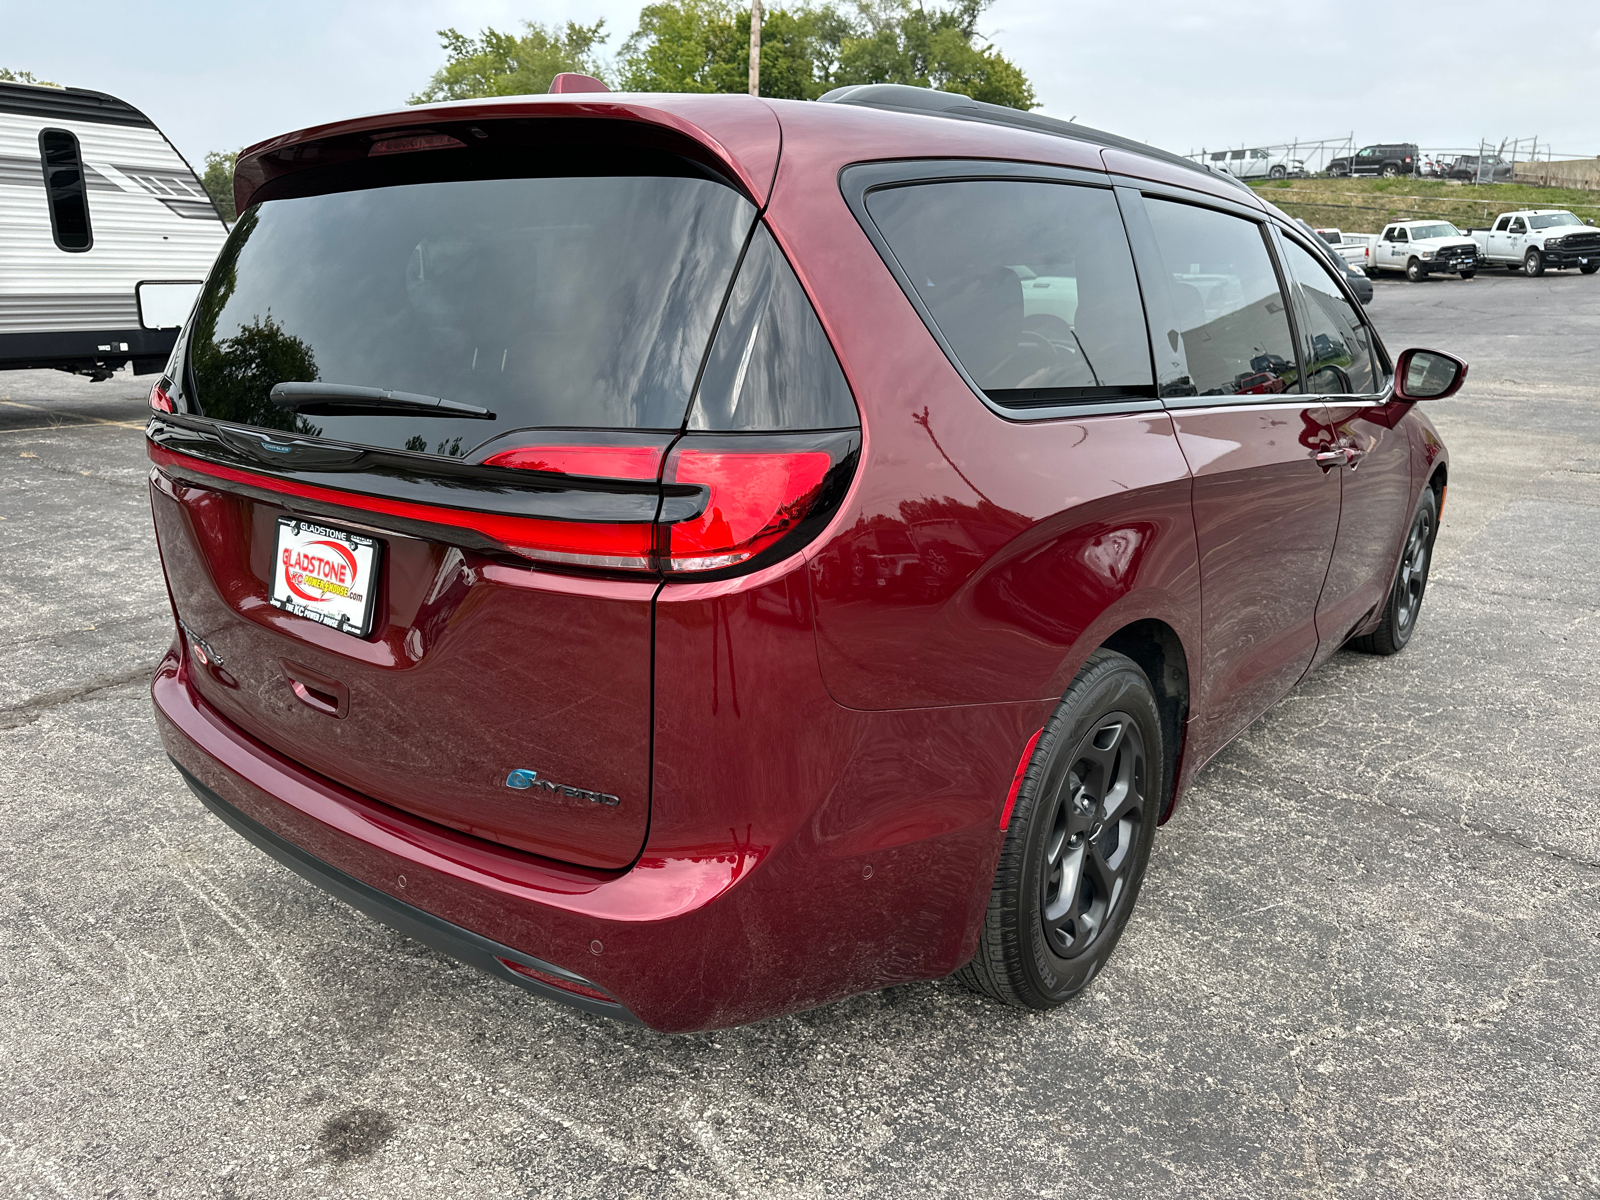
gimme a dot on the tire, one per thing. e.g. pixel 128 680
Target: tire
pixel 1590 269
pixel 1277 173
pixel 1415 271
pixel 1404 603
pixel 1533 263
pixel 1469 274
pixel 1062 894
pixel 1390 171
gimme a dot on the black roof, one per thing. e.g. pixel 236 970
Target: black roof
pixel 69 104
pixel 898 97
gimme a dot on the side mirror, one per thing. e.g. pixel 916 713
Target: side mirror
pixel 1428 375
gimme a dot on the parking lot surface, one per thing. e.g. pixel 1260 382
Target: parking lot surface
pixel 1364 962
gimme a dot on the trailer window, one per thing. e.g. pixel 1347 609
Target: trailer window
pixel 63 181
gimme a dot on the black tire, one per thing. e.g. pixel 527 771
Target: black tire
pixel 1533 263
pixel 1404 603
pixel 1390 171
pixel 1063 892
pixel 1590 269
pixel 1469 274
pixel 1415 271
pixel 1277 173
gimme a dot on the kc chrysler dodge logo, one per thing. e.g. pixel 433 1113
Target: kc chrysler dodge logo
pixel 523 780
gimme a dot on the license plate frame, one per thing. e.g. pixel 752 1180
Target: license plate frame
pixel 326 574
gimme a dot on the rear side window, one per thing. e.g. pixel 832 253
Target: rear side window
pixel 1031 285
pixel 1338 348
pixel 64 190
pixel 771 366
pixel 1232 317
pixel 570 301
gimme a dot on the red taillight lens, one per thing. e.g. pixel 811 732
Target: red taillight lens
pixel 757 496
pixel 409 145
pixel 610 462
pixel 159 400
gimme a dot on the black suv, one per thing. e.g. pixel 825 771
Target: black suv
pixel 1387 159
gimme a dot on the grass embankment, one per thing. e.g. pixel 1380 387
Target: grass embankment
pixel 1366 205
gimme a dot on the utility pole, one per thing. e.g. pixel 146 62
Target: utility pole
pixel 755 47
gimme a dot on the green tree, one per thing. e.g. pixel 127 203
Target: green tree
pixel 218 182
pixel 502 64
pixel 704 46
pixel 9 76
pixel 903 42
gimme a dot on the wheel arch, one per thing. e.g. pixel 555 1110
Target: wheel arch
pixel 1159 651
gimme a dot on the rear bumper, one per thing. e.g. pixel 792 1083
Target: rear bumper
pixel 707 936
pixel 461 944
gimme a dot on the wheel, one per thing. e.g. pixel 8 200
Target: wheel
pixel 1415 271
pixel 1469 274
pixel 1277 173
pixel 1533 263
pixel 1078 842
pixel 1390 171
pixel 1590 269
pixel 1401 609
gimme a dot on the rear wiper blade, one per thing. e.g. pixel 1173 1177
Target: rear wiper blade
pixel 334 398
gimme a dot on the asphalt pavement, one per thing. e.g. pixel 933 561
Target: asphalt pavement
pixel 1364 963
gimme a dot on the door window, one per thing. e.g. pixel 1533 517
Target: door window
pixel 1232 317
pixel 1030 283
pixel 1501 224
pixel 1335 341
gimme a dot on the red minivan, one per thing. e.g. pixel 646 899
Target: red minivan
pixel 698 557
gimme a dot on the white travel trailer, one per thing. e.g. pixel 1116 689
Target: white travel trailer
pixel 105 233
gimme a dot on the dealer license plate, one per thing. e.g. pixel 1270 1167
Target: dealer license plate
pixel 325 574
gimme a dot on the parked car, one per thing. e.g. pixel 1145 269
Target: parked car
pixel 1334 248
pixel 105 233
pixel 1490 168
pixel 1423 248
pixel 1386 159
pixel 695 590
pixel 1258 164
pixel 1536 238
pixel 1355 250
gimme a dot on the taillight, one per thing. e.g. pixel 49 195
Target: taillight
pixel 756 497
pixel 159 399
pixel 614 462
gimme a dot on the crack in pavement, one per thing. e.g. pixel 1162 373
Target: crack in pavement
pixel 29 710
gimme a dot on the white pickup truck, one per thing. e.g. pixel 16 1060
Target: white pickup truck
pixel 1423 248
pixel 1354 248
pixel 1533 239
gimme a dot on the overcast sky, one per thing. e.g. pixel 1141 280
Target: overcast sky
pixel 1177 73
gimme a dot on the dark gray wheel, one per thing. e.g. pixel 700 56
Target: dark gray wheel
pixel 1079 840
pixel 1390 171
pixel 1533 263
pixel 1277 173
pixel 1590 269
pixel 1468 274
pixel 1415 271
pixel 1404 604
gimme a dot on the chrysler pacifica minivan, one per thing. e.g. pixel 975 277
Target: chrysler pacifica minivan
pixel 698 557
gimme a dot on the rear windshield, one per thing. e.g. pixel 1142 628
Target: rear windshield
pixel 581 302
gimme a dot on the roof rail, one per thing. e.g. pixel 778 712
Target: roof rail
pixel 929 102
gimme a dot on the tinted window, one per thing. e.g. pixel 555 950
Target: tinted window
pixel 771 366
pixel 1338 348
pixel 1031 284
pixel 1231 315
pixel 566 301
pixel 64 189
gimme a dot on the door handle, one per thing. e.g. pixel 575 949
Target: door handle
pixel 1329 459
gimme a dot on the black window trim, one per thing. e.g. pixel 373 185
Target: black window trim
pixel 858 180
pixel 49 191
pixel 1385 367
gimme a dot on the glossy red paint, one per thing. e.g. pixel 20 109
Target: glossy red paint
pixel 816 761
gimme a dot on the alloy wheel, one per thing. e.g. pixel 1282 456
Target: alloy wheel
pixel 1093 832
pixel 1413 573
